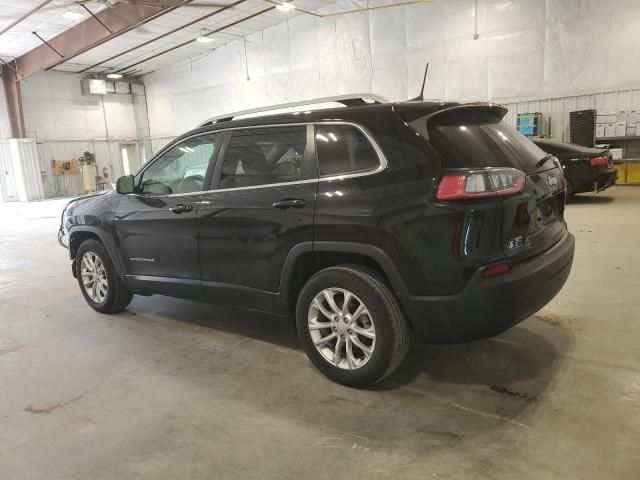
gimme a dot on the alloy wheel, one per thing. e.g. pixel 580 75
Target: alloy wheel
pixel 94 277
pixel 341 328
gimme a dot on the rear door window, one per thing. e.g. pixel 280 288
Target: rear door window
pixel 344 149
pixel 262 156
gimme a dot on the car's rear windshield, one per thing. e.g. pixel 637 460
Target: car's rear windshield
pixel 476 138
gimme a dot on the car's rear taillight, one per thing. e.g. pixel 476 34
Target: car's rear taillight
pixel 595 161
pixel 470 184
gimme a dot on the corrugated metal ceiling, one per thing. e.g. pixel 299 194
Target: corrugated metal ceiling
pixel 49 22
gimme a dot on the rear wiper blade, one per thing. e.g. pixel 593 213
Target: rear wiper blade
pixel 543 160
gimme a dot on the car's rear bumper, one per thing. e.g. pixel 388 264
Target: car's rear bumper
pixel 488 306
pixel 606 179
pixel 597 181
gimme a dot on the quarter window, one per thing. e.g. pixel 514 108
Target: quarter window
pixel 260 156
pixel 181 169
pixel 344 149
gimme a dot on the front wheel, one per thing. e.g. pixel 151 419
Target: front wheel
pixel 351 325
pixel 101 286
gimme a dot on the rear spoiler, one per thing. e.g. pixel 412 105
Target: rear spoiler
pixel 498 111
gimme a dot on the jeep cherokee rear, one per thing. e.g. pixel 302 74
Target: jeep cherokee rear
pixel 367 222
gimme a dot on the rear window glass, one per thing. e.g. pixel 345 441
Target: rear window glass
pixel 344 149
pixel 467 140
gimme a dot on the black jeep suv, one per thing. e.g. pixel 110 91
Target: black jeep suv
pixel 367 222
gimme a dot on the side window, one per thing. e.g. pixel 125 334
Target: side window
pixel 259 156
pixel 182 168
pixel 344 149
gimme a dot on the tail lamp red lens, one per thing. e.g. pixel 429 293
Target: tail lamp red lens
pixel 496 269
pixel 595 161
pixel 490 182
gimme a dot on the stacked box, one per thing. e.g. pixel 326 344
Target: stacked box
pixel 530 124
pixel 611 124
pixel 606 117
pixel 616 153
pixel 609 130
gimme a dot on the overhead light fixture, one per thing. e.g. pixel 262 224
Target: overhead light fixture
pixel 72 14
pixel 114 75
pixel 286 7
pixel 204 37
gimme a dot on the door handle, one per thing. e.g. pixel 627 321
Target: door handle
pixel 290 203
pixel 181 208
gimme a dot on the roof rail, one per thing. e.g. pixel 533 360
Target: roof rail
pixel 350 100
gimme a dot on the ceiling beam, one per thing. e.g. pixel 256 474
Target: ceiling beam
pixel 14 100
pixel 88 34
pixel 244 19
pixel 26 15
pixel 199 19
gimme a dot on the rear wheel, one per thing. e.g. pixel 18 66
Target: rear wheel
pixel 569 190
pixel 351 326
pixel 101 286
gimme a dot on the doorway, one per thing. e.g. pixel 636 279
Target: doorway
pixel 129 157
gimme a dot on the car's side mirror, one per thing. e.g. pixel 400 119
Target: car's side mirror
pixel 125 184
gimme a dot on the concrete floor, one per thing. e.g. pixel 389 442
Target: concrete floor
pixel 174 389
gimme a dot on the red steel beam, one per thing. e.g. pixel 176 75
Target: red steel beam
pixel 193 40
pixel 14 100
pixel 28 14
pixel 88 34
pixel 163 35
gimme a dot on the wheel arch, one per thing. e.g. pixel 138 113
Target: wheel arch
pixel 82 233
pixel 307 258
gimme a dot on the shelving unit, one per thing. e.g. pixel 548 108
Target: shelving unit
pixel 626 137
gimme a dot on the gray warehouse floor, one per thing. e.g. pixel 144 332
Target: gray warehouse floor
pixel 173 389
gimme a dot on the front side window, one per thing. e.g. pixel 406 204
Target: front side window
pixel 344 149
pixel 261 156
pixel 182 168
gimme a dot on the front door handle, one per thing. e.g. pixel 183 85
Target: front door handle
pixel 290 203
pixel 181 208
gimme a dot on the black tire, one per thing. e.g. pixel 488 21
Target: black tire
pixel 118 296
pixel 392 333
pixel 569 191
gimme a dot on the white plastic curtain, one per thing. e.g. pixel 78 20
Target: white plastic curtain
pixel 20 177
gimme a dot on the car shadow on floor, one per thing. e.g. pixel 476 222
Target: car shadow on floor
pixel 439 396
pixel 590 199
pixel 529 352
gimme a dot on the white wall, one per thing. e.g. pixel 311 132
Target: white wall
pixel 527 49
pixel 55 108
pixel 67 123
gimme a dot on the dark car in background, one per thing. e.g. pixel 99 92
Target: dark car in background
pixel 586 169
pixel 364 223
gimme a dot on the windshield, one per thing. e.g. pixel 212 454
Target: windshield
pixel 479 139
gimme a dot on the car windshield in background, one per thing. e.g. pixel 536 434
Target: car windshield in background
pixel 479 140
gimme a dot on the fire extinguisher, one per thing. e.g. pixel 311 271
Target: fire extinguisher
pixel 105 172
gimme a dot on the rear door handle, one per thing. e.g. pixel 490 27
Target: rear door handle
pixel 290 203
pixel 181 208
